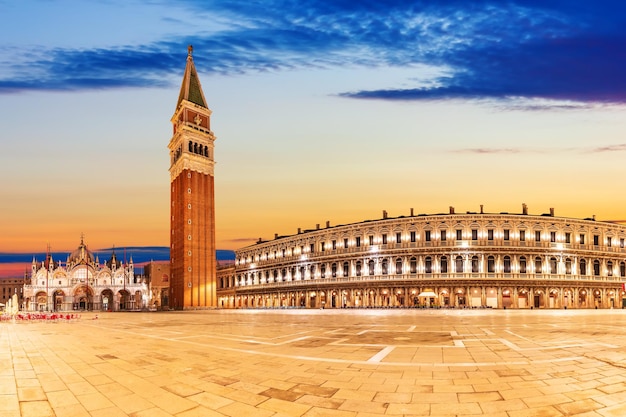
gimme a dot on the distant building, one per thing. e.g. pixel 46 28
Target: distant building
pixel 10 286
pixel 158 277
pixel 468 260
pixel 192 208
pixel 84 283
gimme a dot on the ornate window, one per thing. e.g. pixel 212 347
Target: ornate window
pixel 507 265
pixel 458 264
pixel 444 264
pixel 428 265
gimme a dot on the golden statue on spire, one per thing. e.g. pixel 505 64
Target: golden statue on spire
pixel 190 50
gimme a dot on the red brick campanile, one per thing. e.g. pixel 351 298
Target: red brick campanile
pixel 192 222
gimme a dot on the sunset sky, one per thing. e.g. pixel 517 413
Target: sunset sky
pixel 323 110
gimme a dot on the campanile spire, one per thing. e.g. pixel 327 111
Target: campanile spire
pixel 192 209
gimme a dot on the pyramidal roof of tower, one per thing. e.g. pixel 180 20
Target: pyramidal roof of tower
pixel 191 90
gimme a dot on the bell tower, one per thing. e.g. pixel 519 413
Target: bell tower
pixel 192 221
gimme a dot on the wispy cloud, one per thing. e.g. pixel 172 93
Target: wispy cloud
pixel 555 50
pixel 490 150
pixel 620 147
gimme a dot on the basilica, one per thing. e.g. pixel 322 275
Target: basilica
pixel 82 282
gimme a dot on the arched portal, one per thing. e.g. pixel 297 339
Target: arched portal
pixel 41 300
pixel 58 298
pixel 83 298
pixel 126 301
pixel 107 300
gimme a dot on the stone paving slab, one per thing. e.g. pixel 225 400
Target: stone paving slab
pixel 352 363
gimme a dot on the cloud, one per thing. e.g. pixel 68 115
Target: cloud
pixel 554 49
pixel 490 150
pixel 620 147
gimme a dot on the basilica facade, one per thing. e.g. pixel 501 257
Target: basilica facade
pixel 82 282
pixel 468 260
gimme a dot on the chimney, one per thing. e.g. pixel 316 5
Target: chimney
pixel 451 210
pixel 299 230
pixel 275 235
pixel 552 211
pixel 260 240
pixel 384 214
pixel 481 209
pixel 412 212
pixel 594 217
pixel 327 224
pixel 524 208
pixel 317 226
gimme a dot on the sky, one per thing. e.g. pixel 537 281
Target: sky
pixel 323 111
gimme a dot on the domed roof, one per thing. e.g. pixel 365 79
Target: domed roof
pixel 81 254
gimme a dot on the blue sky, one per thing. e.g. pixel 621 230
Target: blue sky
pixel 324 110
pixel 564 50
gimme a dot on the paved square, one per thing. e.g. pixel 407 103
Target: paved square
pixel 237 363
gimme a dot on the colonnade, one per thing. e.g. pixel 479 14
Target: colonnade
pixel 439 296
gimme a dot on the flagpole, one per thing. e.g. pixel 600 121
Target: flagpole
pixel 125 275
pixel 47 265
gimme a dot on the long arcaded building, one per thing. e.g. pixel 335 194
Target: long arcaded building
pixel 470 260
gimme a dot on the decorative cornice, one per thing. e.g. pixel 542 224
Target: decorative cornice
pixel 191 162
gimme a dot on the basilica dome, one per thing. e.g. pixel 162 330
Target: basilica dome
pixel 82 254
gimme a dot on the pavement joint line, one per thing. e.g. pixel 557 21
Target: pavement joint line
pixel 382 354
pixel 488 332
pixel 355 362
